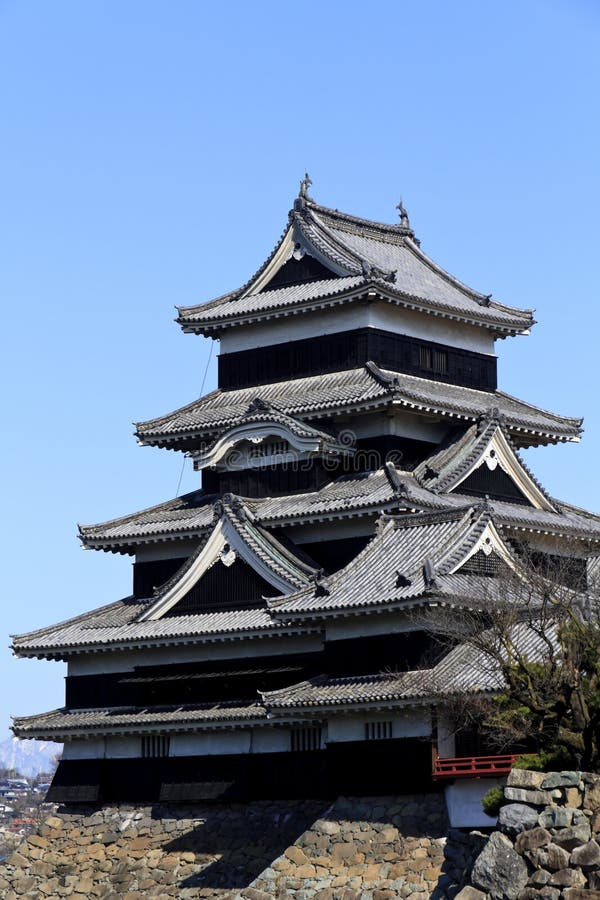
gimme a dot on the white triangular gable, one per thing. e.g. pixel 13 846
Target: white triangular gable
pixel 221 548
pixel 500 453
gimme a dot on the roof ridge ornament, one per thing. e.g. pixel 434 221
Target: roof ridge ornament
pixel 404 220
pixel 259 405
pixel 304 186
pixel 317 579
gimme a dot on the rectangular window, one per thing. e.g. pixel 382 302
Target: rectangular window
pixel 378 731
pixel 440 361
pixel 155 745
pixel 304 739
pixel 425 357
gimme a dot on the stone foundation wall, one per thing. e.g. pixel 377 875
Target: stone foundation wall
pixel 355 849
pixel 547 844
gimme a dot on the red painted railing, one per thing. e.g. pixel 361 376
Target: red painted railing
pixel 472 766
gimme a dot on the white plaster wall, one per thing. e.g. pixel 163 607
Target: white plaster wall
pixel 166 550
pixel 430 328
pixel 400 423
pixel 123 661
pixel 84 749
pixel 215 743
pixel 446 742
pixel 463 802
pixel 128 746
pixel 359 315
pixel 416 723
pixel 270 740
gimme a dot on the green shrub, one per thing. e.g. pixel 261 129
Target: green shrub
pixel 492 801
pixel 545 761
pixel 529 761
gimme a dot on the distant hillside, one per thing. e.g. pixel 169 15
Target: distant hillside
pixel 29 758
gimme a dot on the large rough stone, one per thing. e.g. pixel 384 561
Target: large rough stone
pixel 586 855
pixel 568 878
pixel 525 778
pixel 555 817
pixel 532 839
pixel 545 893
pixel 591 797
pixel 470 893
pixel 572 837
pixel 553 857
pixel 499 870
pixel 560 779
pixel 521 795
pixel 577 893
pixel 516 817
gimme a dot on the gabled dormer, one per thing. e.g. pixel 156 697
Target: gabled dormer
pixel 238 565
pixel 481 461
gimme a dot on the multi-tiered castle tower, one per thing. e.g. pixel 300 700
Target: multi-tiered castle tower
pixel 358 463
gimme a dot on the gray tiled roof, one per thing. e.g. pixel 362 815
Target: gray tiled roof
pixel 364 255
pixel 191 515
pixel 115 624
pixel 123 719
pixel 463 669
pixel 326 690
pixel 390 569
pixel 366 387
pixel 299 397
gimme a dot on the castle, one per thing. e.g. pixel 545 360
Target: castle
pixel 359 465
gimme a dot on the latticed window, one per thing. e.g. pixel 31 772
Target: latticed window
pixel 425 358
pixel 304 739
pixel 482 564
pixel 440 361
pixel 434 360
pixel 378 731
pixel 155 745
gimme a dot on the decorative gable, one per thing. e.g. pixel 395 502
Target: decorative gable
pixel 302 267
pixel 266 568
pixel 229 583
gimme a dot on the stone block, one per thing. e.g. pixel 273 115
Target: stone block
pixel 296 855
pixel 251 893
pixel 305 871
pixel 325 827
pixel 545 893
pixel 525 778
pixel 35 840
pixel 577 893
pixel 567 878
pixel 591 796
pixel 499 870
pixel 560 779
pixel 522 795
pixel 343 851
pixel 573 797
pixel 532 839
pixel 516 817
pixel 572 837
pixel 470 893
pixel 586 855
pixel 555 817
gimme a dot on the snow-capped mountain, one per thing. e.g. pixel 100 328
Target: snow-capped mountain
pixel 29 758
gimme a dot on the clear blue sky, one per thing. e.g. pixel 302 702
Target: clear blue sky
pixel 149 154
